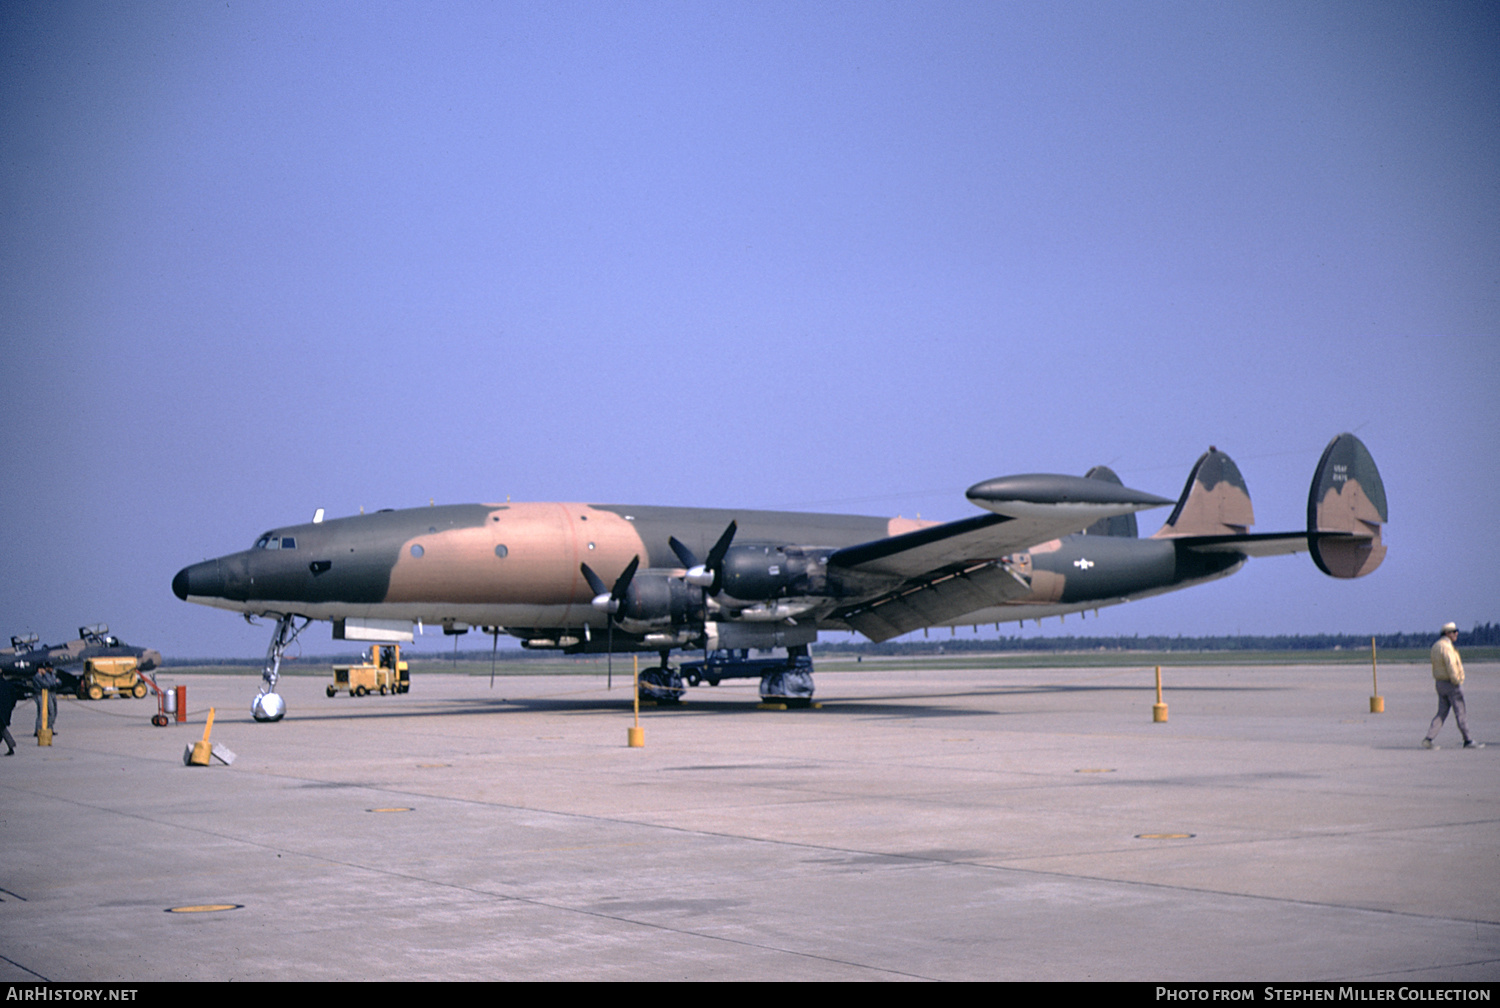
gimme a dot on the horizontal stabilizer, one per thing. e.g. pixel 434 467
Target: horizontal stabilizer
pixel 1264 544
pixel 1347 498
pixel 1345 511
pixel 1256 544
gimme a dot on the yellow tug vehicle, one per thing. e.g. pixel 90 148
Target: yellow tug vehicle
pixel 384 673
pixel 117 676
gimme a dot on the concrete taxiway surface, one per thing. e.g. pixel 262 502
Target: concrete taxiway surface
pixel 1027 824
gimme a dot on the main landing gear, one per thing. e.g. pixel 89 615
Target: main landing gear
pixel 792 685
pixel 268 705
pixel 663 684
pixel 782 680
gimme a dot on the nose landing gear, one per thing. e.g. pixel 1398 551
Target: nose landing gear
pixel 268 704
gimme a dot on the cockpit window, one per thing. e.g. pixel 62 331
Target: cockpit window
pixel 269 541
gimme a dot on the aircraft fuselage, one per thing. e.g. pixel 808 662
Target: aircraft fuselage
pixel 517 565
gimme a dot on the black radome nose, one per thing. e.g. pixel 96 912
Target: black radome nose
pixel 200 580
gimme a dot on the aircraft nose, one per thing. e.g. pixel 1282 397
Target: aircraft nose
pixel 152 657
pixel 204 579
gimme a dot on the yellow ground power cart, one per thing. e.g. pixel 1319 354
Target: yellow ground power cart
pixel 111 677
pixel 384 673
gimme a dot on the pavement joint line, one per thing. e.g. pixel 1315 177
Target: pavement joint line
pixel 19 966
pixel 1451 965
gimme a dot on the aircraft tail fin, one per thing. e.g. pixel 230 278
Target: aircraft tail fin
pixel 1345 510
pixel 1215 501
pixel 1123 525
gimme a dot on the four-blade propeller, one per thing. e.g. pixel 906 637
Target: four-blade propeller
pixel 609 600
pixel 710 573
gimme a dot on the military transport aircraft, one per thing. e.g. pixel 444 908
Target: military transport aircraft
pixel 611 577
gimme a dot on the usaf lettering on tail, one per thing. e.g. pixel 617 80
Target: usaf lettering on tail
pixel 597 577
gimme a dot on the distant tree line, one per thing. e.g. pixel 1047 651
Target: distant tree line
pixel 1483 635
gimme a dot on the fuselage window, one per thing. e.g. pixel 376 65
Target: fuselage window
pixel 501 551
pixel 287 542
pixel 417 550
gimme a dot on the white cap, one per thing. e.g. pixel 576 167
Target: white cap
pixel 1450 628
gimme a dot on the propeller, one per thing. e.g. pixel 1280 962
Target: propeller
pixel 609 602
pixel 494 647
pixel 710 573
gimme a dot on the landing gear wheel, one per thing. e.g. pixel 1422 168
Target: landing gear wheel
pixel 268 707
pixel 664 685
pixel 139 690
pixel 793 687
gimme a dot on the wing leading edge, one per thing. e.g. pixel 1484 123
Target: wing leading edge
pixel 1026 510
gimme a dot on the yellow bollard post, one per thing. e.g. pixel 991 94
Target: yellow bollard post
pixel 44 733
pixel 1158 709
pixel 1377 702
pixel 199 752
pixel 635 735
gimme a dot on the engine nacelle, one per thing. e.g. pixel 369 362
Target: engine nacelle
pixel 656 602
pixel 758 573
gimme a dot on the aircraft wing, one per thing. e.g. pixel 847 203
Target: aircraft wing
pixel 955 568
pixel 925 602
pixel 1027 510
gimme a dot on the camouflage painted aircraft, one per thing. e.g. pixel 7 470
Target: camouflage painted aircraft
pixel 728 580
pixel 25 656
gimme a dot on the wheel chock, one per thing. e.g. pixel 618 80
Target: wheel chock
pixel 198 753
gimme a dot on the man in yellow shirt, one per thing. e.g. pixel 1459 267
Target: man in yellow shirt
pixel 1448 676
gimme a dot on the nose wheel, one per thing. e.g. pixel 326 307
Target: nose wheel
pixel 268 707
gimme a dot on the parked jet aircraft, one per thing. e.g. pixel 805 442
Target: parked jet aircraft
pixel 722 579
pixel 25 655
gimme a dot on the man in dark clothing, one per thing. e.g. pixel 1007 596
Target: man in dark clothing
pixel 45 679
pixel 9 694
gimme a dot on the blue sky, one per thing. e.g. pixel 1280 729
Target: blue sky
pixel 262 258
